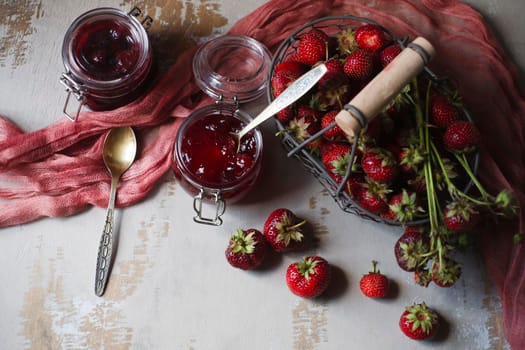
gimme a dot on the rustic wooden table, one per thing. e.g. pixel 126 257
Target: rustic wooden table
pixel 171 287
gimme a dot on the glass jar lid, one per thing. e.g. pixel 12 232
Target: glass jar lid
pixel 233 68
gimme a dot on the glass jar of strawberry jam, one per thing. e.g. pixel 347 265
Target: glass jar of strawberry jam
pixel 107 57
pixel 208 161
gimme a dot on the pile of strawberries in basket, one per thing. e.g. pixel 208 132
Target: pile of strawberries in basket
pixel 413 161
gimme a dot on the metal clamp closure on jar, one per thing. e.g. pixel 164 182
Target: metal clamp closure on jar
pixel 220 207
pixel 128 66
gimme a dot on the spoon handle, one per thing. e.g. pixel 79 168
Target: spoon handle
pixel 291 94
pixel 105 248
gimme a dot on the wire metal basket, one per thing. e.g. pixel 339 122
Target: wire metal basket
pixel 331 26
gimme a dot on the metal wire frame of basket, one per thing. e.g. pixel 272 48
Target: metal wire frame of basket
pixel 333 25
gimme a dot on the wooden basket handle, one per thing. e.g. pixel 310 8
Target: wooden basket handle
pixel 376 95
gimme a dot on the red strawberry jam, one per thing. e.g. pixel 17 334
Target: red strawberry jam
pixel 106 50
pixel 207 156
pixel 108 58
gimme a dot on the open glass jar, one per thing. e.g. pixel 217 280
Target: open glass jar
pixel 107 57
pixel 208 162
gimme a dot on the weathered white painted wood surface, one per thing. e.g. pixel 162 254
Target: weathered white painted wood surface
pixel 171 287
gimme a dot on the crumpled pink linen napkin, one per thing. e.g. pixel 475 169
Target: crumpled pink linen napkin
pixel 58 171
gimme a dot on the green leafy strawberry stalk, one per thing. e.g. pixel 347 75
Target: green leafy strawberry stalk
pixel 453 216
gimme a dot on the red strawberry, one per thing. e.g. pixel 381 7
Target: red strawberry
pixel 419 322
pixel 313 47
pixel 460 215
pixel 370 37
pixel 246 249
pixel 336 158
pixel 442 111
pixel 461 136
pixel 335 133
pixel 333 66
pixel 282 79
pixel 305 124
pixel 334 91
pixel 308 278
pixel 359 65
pixel 379 165
pixel 354 183
pixel 403 207
pixel 374 284
pixel 290 66
pixel 372 196
pixel 388 54
pixel 285 115
pixel 282 229
pixel 410 247
pixel 446 273
pixel 410 159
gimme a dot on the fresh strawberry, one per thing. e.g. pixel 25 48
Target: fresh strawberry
pixel 388 54
pixel 446 273
pixel 442 111
pixel 246 249
pixel 286 114
pixel 410 159
pixel 346 42
pixel 422 277
pixel 370 37
pixel 335 133
pixel 374 284
pixel 290 66
pixel 372 196
pixel 460 215
pixel 461 136
pixel 359 65
pixel 333 66
pixel 354 184
pixel 410 247
pixel 403 207
pixel 305 124
pixel 282 79
pixel 313 47
pixel 336 159
pixel 282 229
pixel 419 322
pixel 379 165
pixel 308 278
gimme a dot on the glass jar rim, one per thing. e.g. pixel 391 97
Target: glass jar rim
pixel 136 28
pixel 225 85
pixel 202 113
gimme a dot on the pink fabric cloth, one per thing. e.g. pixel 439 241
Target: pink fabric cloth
pixel 58 171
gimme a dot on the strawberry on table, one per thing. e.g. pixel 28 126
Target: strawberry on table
pixel 246 249
pixel 282 230
pixel 419 322
pixel 308 278
pixel 445 273
pixel 410 248
pixel 374 284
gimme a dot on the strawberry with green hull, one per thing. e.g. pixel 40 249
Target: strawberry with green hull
pixel 460 215
pixel 308 278
pixel 380 165
pixel 246 249
pixel 313 47
pixel 411 247
pixel 404 207
pixel 306 122
pixel 283 230
pixel 419 322
pixel 372 196
pixel 374 284
pixel 335 156
pixel 445 273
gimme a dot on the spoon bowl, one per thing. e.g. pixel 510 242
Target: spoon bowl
pixel 120 148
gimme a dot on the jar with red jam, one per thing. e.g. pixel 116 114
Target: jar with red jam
pixel 107 58
pixel 208 161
